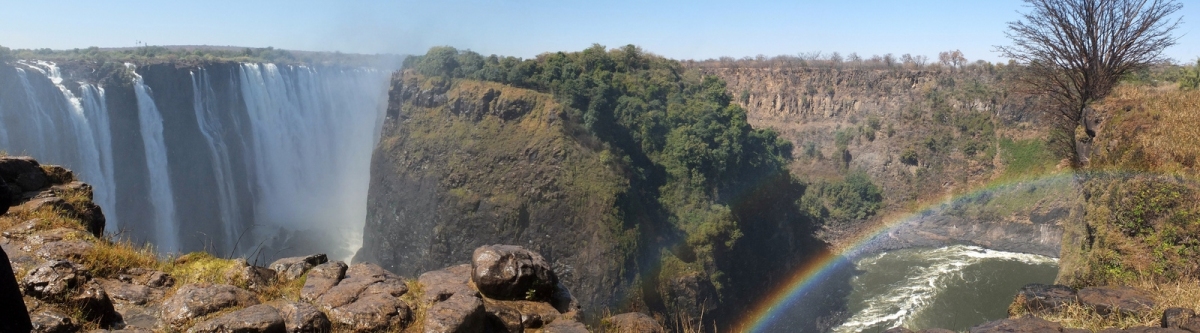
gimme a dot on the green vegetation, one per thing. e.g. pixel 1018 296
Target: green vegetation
pixel 675 132
pixel 853 198
pixel 1026 157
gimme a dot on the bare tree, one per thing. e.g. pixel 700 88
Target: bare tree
pixel 920 61
pixel 1075 51
pixel 953 59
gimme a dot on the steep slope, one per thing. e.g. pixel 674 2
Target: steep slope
pixel 465 163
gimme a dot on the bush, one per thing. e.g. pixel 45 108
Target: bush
pixel 909 157
pixel 854 198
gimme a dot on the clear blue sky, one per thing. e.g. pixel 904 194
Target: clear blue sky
pixel 697 29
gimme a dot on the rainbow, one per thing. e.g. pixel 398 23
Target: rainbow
pixel 808 275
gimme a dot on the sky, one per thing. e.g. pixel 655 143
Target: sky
pixel 698 29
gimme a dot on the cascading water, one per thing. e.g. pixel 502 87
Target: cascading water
pixel 213 131
pixel 162 199
pixel 312 135
pixel 51 122
pixel 239 159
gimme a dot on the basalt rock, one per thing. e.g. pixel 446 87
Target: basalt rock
pixel 516 316
pixel 1049 298
pixel 255 277
pixel 303 318
pixel 1027 323
pixel 460 313
pixel 195 300
pixel 1143 329
pixel 293 267
pixel 321 278
pixel 95 305
pixel 508 272
pixel 1106 300
pixel 637 322
pixel 23 171
pixel 372 313
pixel 124 292
pixel 260 318
pixel 53 322
pixel 564 326
pixel 441 284
pixel 64 250
pixel 54 279
pixel 1176 317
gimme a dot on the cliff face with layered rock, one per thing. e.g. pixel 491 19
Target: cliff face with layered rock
pixel 465 164
pixel 931 135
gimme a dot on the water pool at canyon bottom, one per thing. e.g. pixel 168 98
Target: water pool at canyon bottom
pixel 953 287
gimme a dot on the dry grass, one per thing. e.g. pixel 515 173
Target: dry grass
pixel 110 258
pixel 1151 129
pixel 419 308
pixel 1184 293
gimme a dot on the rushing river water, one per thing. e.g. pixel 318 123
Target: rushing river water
pixel 954 287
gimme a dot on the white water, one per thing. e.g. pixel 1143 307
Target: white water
pixel 63 129
pixel 212 129
pixel 313 133
pixel 933 271
pixel 288 147
pixel 162 199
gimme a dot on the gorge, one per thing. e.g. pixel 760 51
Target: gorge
pixel 645 195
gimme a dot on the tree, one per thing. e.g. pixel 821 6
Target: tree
pixel 953 59
pixel 1075 51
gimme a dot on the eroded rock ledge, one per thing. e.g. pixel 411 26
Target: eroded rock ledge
pixel 73 278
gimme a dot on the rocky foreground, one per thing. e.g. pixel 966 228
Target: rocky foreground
pixel 70 277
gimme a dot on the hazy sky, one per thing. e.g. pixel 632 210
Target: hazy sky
pixel 696 29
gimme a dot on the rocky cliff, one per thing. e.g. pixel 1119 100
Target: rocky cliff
pixel 463 164
pixel 931 138
pixel 70 277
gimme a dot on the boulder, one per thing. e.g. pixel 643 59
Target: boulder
pixel 1027 323
pixel 935 330
pixel 303 318
pixel 195 300
pixel 124 292
pixel 508 272
pixel 24 172
pixel 634 322
pixel 372 313
pixel 95 305
pixel 460 313
pixel 53 322
pixel 15 317
pixel 157 279
pixel 56 174
pixel 519 315
pixel 1176 317
pixel 64 250
pixel 255 277
pixel 54 279
pixel 260 318
pixel 292 268
pixel 898 330
pixel 1126 300
pixel 564 326
pixel 1039 297
pixel 321 278
pixel 361 280
pixel 439 285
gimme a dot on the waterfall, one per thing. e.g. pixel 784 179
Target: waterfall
pixel 53 124
pixel 269 159
pixel 313 132
pixel 162 199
